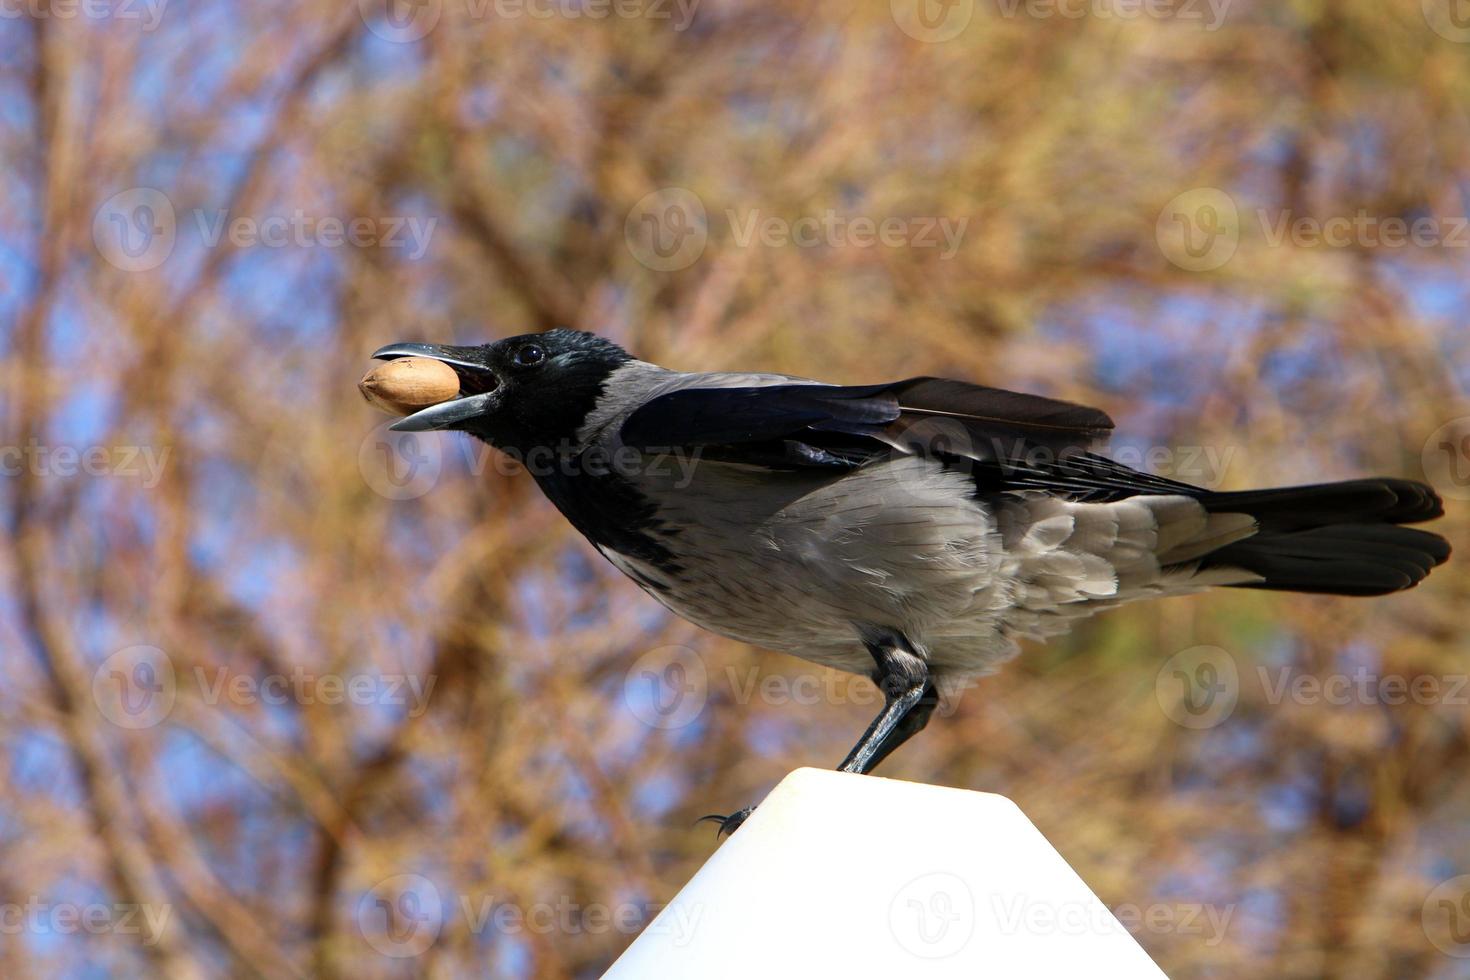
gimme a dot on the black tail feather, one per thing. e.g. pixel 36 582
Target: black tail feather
pixel 1335 538
pixel 1381 501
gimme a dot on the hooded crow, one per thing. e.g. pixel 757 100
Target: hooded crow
pixel 913 531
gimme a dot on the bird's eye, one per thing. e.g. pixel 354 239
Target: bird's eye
pixel 528 355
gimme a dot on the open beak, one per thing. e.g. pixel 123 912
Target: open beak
pixel 477 387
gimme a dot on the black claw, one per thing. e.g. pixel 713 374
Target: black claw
pixel 730 824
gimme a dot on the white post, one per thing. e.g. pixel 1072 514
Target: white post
pixel 847 876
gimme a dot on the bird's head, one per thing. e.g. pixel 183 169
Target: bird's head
pixel 519 393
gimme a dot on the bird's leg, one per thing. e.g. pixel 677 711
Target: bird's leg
pixel 912 724
pixel 909 698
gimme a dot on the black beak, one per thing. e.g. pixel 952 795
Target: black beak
pixel 477 382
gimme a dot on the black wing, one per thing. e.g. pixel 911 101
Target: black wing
pixel 800 426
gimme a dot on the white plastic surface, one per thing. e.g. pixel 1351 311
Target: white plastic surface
pixel 847 876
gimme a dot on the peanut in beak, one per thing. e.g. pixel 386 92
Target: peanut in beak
pixel 408 384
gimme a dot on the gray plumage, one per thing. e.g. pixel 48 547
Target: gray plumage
pixel 803 563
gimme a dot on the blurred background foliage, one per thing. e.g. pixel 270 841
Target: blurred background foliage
pixel 266 543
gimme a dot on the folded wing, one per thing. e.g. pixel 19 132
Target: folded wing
pixel 839 427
